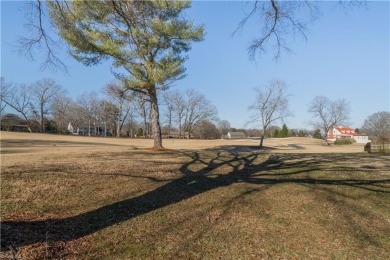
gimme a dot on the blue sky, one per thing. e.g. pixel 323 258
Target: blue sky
pixel 347 55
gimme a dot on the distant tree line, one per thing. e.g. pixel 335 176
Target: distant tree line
pixel 275 131
pixel 44 106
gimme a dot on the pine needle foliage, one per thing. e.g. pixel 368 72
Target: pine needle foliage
pixel 145 40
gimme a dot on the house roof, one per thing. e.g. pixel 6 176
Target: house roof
pixel 9 116
pixel 346 130
pixel 237 133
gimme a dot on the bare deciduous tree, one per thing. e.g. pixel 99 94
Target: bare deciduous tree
pixel 60 111
pixel 188 109
pixel 143 109
pixel 121 97
pixel 179 106
pixel 19 98
pixel 90 104
pixel 131 120
pixel 271 105
pixel 43 93
pixel 176 103
pixel 169 110
pixel 377 126
pixel 224 127
pixel 108 113
pixel 328 113
pixel 197 109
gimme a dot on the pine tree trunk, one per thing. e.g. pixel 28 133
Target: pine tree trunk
pixel 155 121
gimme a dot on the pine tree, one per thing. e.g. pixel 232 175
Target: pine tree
pixel 284 131
pixel 276 133
pixel 145 39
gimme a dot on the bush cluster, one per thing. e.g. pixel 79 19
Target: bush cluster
pixel 343 141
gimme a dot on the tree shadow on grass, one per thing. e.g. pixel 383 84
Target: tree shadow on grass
pixel 202 172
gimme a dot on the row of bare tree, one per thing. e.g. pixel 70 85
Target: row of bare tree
pixel 30 101
pixel 186 110
pixel 45 100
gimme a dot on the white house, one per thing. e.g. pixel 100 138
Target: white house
pixel 177 134
pixel 235 135
pixel 71 129
pixel 86 129
pixel 346 132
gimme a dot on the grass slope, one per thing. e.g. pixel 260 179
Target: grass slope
pixel 196 204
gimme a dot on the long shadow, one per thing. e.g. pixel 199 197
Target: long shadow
pixel 243 168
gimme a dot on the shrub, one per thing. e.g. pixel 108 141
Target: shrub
pixel 317 134
pixel 343 141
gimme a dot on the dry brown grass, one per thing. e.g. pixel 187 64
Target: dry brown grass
pixel 75 197
pixel 21 143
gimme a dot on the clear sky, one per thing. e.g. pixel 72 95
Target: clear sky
pixel 347 55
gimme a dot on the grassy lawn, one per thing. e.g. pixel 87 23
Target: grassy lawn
pixel 197 204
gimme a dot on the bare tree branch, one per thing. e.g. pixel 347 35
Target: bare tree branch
pixel 5 91
pixel 280 20
pixel 39 28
